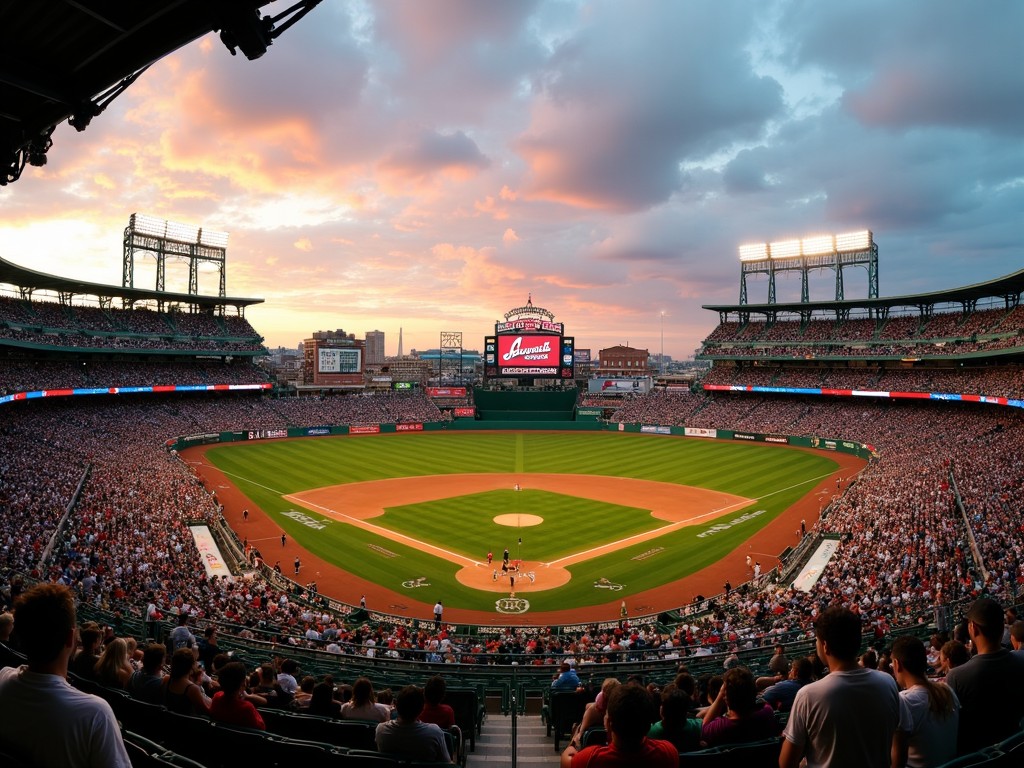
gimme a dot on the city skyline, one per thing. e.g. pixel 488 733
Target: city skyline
pixel 428 166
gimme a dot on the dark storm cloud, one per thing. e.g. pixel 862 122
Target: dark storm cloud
pixel 630 97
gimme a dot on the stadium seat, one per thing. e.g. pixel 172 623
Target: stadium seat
pixel 140 750
pixel 364 758
pixel 469 712
pixel 756 754
pixel 565 710
pixel 980 758
pixel 594 736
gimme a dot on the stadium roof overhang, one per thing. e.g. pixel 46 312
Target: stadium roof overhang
pixel 67 59
pixel 1009 288
pixel 27 280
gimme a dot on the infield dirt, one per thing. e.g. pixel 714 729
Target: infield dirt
pixel 363 501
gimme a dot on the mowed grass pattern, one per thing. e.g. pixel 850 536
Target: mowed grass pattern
pixel 774 477
pixel 556 537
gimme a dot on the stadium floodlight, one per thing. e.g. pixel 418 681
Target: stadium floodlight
pixel 853 241
pixel 754 252
pixel 152 226
pixel 817 244
pixel 785 249
pixel 182 233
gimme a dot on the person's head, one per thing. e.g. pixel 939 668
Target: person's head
pixel 985 623
pixel 869 659
pixel 267 675
pixel 210 633
pixel 909 657
pixel 801 669
pixel 675 704
pixel 45 623
pixel 838 634
pixel 6 625
pixel 563 667
pixel 307 683
pixel 685 682
pixel 153 656
pixel 90 638
pixel 952 654
pixel 182 619
pixel 183 661
pixel 434 690
pixel 289 667
pixel 115 654
pixel 629 716
pixel 1016 634
pixel 231 678
pixel 322 695
pixel 740 690
pixel 409 703
pixel 362 692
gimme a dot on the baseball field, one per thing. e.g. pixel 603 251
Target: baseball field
pixel 588 518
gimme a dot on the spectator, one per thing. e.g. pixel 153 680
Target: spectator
pixel 363 705
pixel 566 679
pixel 113 669
pixel 182 692
pixel 84 662
pixel 147 684
pixel 781 695
pixel 735 716
pixel 929 712
pixel 953 654
pixel 231 704
pixel 181 636
pixel 434 711
pixel 847 718
pixel 407 738
pixel 1016 637
pixel 46 722
pixel 990 686
pixel 322 702
pixel 627 721
pixel 593 715
pixel 675 724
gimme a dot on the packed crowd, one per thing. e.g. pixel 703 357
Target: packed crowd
pixel 941 325
pixel 87 327
pixel 34 374
pixel 1001 381
pixel 127 534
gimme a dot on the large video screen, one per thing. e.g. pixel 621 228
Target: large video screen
pixel 528 355
pixel 339 361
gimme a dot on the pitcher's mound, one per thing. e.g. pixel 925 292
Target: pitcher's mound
pixel 519 521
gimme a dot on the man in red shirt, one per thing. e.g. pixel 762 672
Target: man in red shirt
pixel 627 721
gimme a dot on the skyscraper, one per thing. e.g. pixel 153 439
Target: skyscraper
pixel 374 347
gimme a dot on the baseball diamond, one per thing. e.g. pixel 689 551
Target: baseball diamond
pixel 607 502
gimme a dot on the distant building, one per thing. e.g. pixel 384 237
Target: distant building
pixel 333 359
pixel 624 361
pixel 374 347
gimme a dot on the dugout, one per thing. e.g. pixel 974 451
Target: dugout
pixel 525 404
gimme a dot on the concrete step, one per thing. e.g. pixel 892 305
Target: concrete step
pixel 534 749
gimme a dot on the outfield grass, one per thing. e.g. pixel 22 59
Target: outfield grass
pixel 773 477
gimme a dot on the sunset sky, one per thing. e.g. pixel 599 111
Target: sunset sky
pixel 427 165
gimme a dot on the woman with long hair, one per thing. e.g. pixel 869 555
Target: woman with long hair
pixel 113 668
pixel 182 692
pixel 929 711
pixel 364 704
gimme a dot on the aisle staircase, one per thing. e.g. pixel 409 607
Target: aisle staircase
pixel 494 745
